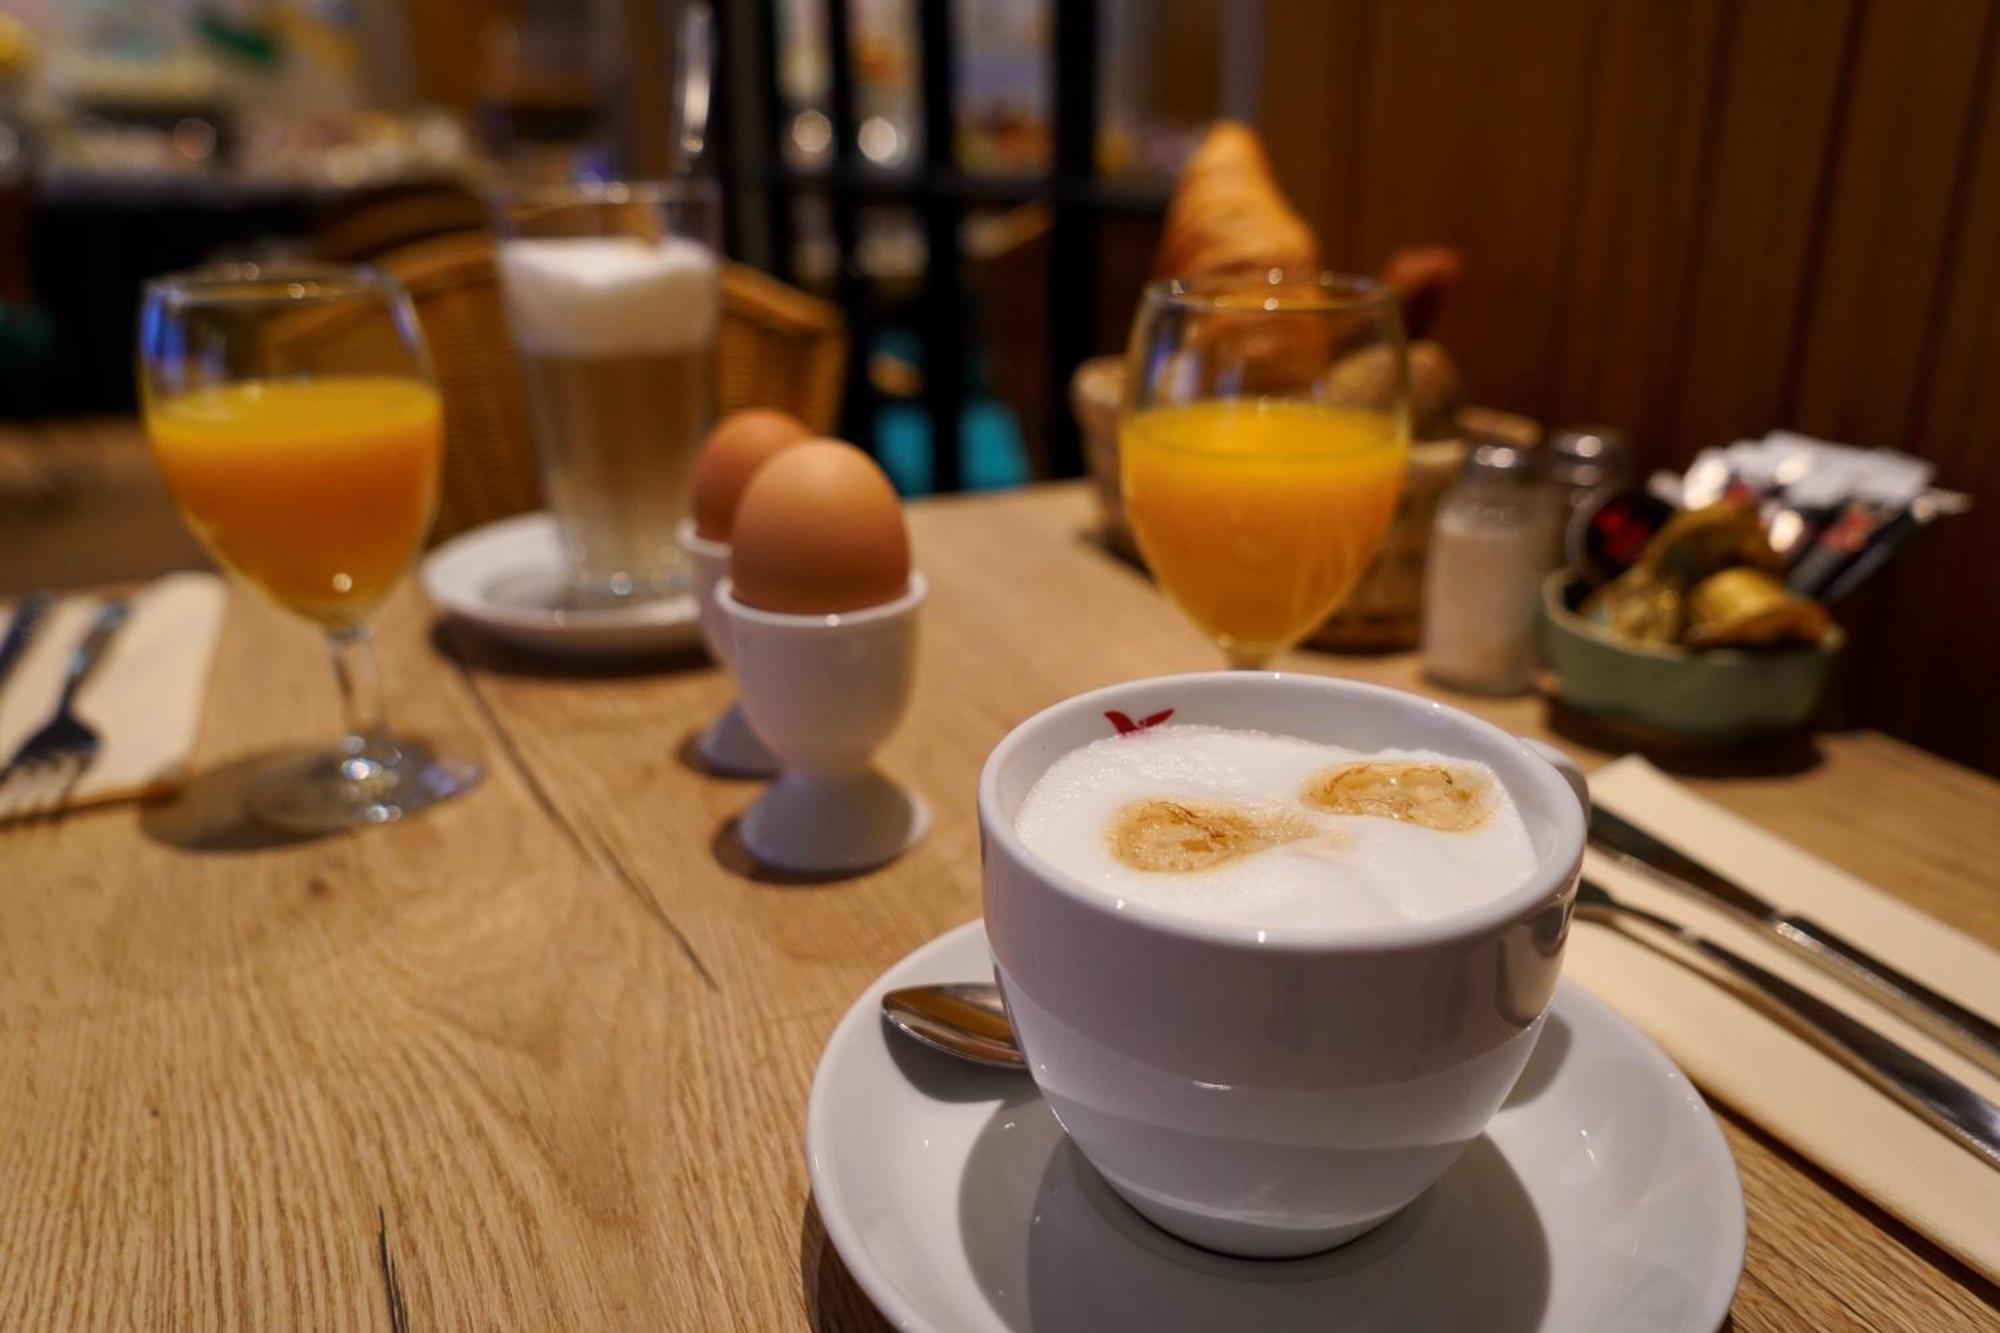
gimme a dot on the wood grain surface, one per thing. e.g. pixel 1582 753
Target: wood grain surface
pixel 82 502
pixel 538 1059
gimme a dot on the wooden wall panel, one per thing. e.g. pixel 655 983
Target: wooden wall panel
pixel 1895 176
pixel 1783 68
pixel 1937 651
pixel 1700 221
pixel 1473 133
pixel 1650 101
pixel 1314 105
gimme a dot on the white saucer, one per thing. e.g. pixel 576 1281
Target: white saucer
pixel 508 579
pixel 1603 1196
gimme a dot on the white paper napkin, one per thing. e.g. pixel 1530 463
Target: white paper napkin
pixel 145 698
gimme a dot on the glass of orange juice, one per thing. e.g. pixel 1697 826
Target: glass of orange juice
pixel 1261 444
pixel 292 411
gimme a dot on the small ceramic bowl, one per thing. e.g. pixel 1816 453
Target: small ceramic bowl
pixel 1709 696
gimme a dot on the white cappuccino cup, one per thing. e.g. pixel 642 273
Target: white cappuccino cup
pixel 1265 1089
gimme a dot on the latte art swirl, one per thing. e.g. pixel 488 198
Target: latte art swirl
pixel 1193 835
pixel 1447 797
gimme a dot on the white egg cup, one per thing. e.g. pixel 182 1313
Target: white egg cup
pixel 824 691
pixel 727 745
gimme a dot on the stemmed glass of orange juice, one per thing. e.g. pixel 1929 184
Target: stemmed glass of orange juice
pixel 1261 446
pixel 292 410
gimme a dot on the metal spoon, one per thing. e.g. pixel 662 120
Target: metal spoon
pixel 966 1020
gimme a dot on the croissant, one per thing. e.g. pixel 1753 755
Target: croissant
pixel 1228 215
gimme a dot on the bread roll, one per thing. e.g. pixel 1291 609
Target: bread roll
pixel 1365 379
pixel 1436 392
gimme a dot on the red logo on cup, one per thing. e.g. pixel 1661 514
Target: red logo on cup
pixel 1126 726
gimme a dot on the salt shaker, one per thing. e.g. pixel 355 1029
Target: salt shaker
pixel 1490 549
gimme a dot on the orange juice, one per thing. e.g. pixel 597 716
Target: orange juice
pixel 317 490
pixel 1259 515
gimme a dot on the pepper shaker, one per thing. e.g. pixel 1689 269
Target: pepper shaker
pixel 1582 462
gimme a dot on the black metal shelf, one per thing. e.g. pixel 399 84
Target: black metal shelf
pixel 941 191
pixel 885 185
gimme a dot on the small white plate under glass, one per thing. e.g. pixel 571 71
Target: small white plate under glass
pixel 1603 1196
pixel 508 579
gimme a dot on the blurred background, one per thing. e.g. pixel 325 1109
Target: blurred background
pixel 1695 221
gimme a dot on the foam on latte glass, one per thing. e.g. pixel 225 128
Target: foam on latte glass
pixel 1262 848
pixel 617 343
pixel 609 295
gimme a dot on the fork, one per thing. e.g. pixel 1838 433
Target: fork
pixel 46 769
pixel 25 623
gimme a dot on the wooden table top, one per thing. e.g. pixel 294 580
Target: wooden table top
pixel 538 1059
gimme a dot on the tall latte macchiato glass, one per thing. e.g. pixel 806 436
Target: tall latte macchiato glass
pixel 1267 1012
pixel 613 298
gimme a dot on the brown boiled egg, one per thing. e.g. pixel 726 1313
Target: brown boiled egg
pixel 819 530
pixel 741 443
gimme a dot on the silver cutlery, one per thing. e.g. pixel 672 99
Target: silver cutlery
pixel 1964 1115
pixel 966 1020
pixel 26 622
pixel 1950 1022
pixel 46 769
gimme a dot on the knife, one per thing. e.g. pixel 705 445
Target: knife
pixel 1952 1023
pixel 21 630
pixel 1919 1085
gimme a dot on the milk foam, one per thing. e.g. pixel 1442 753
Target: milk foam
pixel 1354 871
pixel 609 295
